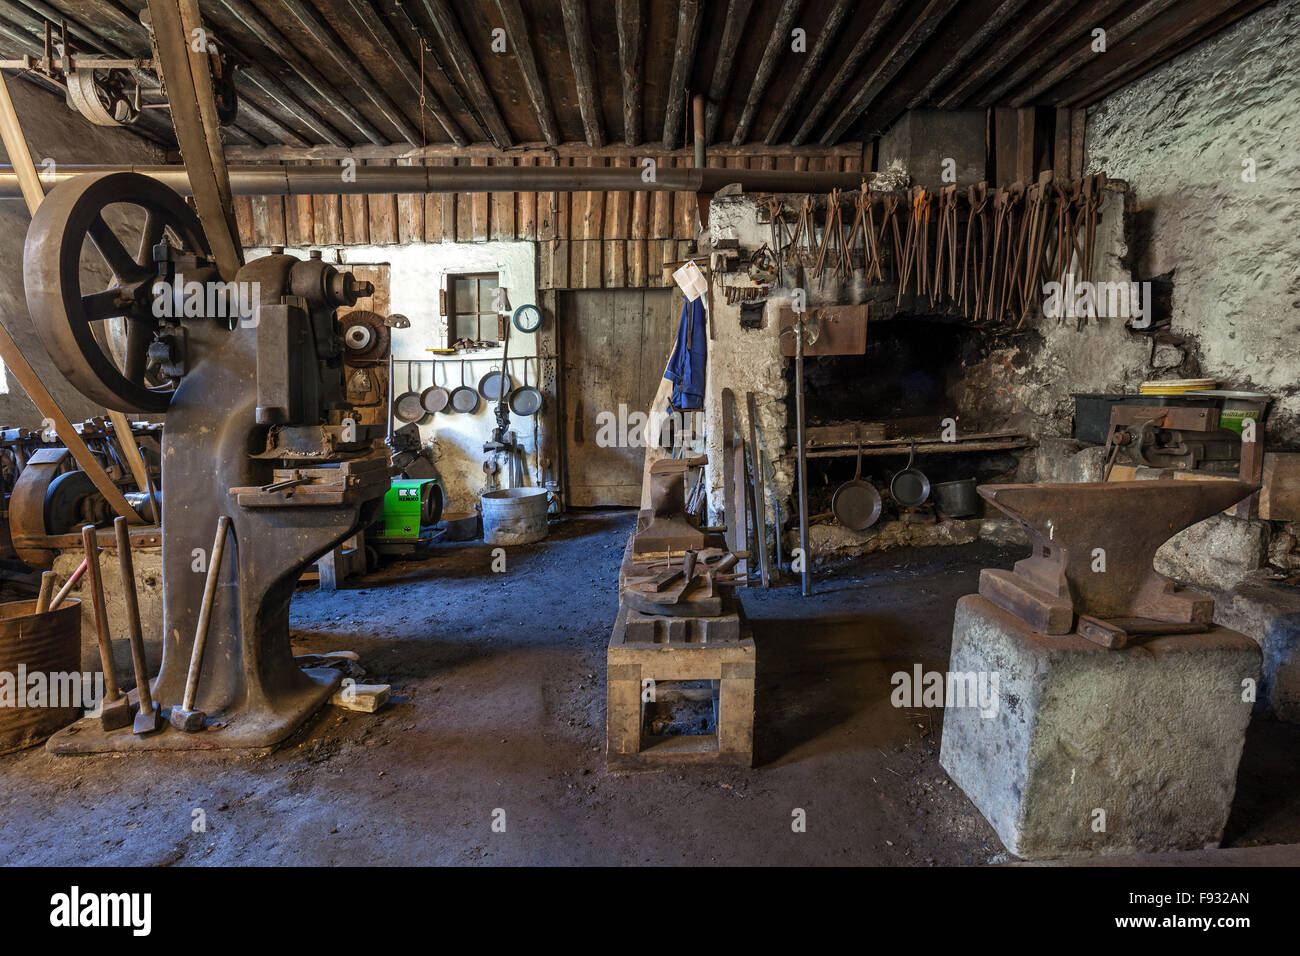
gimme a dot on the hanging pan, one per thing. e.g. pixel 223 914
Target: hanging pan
pixel 526 400
pixel 910 487
pixel 434 399
pixel 856 503
pixel 407 408
pixel 493 385
pixel 464 399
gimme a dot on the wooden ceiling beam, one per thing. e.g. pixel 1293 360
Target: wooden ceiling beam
pixel 462 55
pixel 383 37
pixel 830 32
pixel 1059 41
pixel 776 45
pixel 1040 83
pixel 272 91
pixel 333 46
pixel 922 28
pixel 512 15
pixel 266 33
pixel 577 30
pixel 679 80
pixel 994 61
pixel 732 29
pixel 885 13
pixel 974 43
pixel 1196 30
pixel 631 51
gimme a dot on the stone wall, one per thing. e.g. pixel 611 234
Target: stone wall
pixel 1208 145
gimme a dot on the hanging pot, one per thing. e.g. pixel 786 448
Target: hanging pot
pixel 526 400
pixel 856 503
pixel 435 397
pixel 910 487
pixel 464 399
pixel 957 499
pixel 407 407
pixel 493 385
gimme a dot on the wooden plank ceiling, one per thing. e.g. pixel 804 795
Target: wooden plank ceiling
pixel 344 73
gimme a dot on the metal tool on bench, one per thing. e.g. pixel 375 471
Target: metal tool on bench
pixel 1094 543
pixel 257 428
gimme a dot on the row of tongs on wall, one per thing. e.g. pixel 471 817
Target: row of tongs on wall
pixel 989 268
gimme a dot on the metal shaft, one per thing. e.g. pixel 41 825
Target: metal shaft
pixel 805 574
pixel 134 634
pixel 270 179
pixel 111 691
pixel 205 612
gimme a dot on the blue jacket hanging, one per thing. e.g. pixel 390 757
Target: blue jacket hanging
pixel 686 366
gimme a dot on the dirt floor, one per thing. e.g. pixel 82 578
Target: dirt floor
pixel 498 683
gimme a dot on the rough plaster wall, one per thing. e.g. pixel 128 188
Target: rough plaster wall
pixel 746 360
pixel 417 272
pixel 1179 137
pixel 55 132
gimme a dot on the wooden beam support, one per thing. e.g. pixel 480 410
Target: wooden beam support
pixel 266 33
pixel 365 12
pixel 1196 22
pixel 777 43
pixel 848 69
pixel 194 114
pixel 679 80
pixel 271 89
pixel 631 48
pixel 512 15
pixel 794 100
pixel 974 43
pixel 922 28
pixel 1044 81
pixel 725 64
pixel 444 21
pixel 577 30
pixel 992 63
pixel 332 44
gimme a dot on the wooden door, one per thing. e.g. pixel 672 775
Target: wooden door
pixel 615 344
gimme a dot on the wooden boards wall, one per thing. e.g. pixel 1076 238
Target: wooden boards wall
pixel 588 240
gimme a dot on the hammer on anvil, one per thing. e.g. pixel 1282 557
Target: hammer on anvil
pixel 1094 543
pixel 115 708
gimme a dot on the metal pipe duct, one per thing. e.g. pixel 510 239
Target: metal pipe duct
pixel 276 180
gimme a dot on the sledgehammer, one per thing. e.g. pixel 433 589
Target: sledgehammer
pixel 185 717
pixel 115 709
pixel 147 717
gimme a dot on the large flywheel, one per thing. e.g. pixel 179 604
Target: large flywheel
pixel 94 308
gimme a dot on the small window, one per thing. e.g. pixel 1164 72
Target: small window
pixel 472 308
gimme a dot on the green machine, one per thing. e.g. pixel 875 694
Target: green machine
pixel 412 506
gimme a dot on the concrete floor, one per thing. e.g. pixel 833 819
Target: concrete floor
pixel 498 683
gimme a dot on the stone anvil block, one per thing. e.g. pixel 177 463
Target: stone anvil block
pixel 1093 751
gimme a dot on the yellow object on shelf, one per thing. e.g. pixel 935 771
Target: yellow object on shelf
pixel 1175 386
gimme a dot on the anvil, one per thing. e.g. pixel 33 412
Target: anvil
pixel 1094 543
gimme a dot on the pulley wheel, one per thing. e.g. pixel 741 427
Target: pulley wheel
pixel 71 298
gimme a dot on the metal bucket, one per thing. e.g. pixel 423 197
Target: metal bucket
pixel 515 515
pixel 45 644
pixel 957 499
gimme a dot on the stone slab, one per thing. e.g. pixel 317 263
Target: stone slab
pixel 1269 613
pixel 1143 741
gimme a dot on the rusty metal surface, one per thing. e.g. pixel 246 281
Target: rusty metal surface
pixel 1094 543
pixel 48 643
